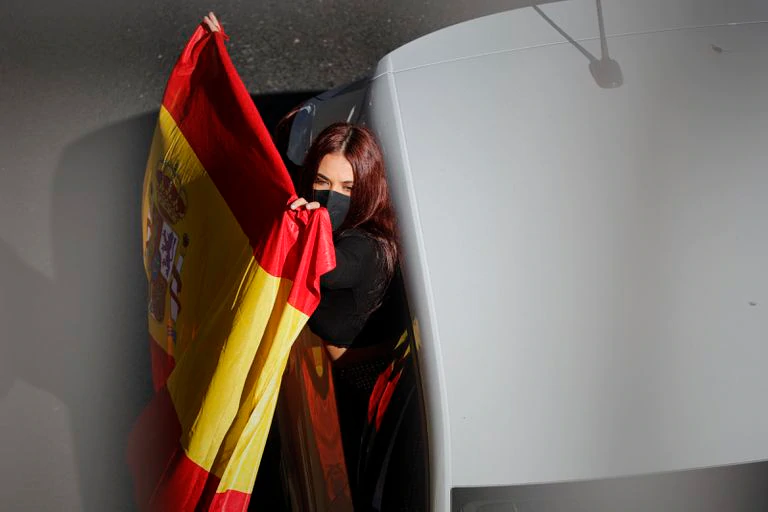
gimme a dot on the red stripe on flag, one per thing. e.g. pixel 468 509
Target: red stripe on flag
pixel 181 486
pixel 162 472
pixel 378 390
pixel 165 478
pixel 231 501
pixel 212 108
pixel 385 398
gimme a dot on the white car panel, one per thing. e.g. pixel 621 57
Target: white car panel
pixel 594 258
pixel 524 28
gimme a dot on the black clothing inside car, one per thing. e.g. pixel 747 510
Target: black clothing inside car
pixel 351 292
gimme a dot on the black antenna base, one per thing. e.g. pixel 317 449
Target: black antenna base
pixel 607 73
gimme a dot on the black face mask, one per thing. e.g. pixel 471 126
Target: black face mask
pixel 336 204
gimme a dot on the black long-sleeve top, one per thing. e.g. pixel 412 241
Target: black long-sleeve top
pixel 350 293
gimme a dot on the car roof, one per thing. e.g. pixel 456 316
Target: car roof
pixel 586 265
pixel 524 28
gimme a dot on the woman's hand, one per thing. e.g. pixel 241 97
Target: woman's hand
pixel 212 22
pixel 303 202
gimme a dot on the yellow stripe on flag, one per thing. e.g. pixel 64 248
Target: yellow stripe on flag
pixel 246 439
pixel 241 361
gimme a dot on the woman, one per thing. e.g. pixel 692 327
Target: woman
pixel 344 158
pixel 360 315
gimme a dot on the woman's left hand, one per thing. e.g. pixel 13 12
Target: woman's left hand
pixel 303 202
pixel 212 22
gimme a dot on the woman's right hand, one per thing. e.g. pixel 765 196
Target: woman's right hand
pixel 303 202
pixel 212 22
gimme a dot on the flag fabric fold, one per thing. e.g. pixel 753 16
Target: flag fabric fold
pixel 233 277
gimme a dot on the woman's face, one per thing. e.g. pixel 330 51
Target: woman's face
pixel 335 174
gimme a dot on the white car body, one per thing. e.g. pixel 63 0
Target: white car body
pixel 586 265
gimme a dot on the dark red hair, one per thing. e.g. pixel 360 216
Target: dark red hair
pixel 370 209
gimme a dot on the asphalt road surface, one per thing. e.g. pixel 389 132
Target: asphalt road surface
pixel 125 50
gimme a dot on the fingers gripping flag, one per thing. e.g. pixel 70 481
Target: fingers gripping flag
pixel 233 276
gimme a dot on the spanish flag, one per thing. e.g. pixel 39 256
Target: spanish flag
pixel 233 277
